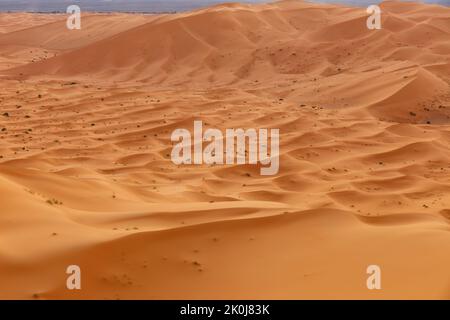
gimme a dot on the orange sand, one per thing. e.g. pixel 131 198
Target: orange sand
pixel 364 118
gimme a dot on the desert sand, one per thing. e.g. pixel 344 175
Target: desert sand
pixel 86 177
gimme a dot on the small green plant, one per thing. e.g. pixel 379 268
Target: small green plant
pixel 54 202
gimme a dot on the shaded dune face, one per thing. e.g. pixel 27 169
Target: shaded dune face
pixel 85 141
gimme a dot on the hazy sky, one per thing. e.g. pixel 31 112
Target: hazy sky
pixel 368 2
pixel 143 5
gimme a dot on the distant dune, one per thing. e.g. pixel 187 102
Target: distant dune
pixel 86 176
pixel 239 46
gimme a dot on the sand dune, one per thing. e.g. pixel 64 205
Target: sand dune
pixel 86 176
pixel 34 43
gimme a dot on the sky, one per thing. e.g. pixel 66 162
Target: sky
pixel 143 5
